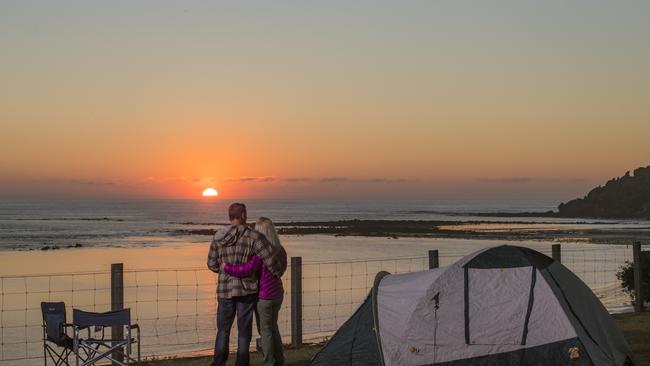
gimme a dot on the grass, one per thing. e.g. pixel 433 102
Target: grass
pixel 635 326
pixel 294 357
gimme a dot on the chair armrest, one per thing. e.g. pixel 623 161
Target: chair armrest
pixel 74 326
pixel 64 325
pixel 135 326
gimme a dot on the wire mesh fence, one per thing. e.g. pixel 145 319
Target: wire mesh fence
pixel 20 313
pixel 176 308
pixel 333 290
pixel 597 267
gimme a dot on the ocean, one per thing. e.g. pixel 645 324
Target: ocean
pixel 29 225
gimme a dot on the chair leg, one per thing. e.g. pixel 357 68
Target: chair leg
pixel 128 345
pixel 107 352
pixel 44 345
pixel 138 344
pixel 59 358
pixel 63 359
pixel 75 345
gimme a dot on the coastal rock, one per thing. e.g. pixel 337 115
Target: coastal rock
pixel 620 198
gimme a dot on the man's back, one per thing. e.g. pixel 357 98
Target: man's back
pixel 237 244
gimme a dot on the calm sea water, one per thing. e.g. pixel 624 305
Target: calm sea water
pixel 33 225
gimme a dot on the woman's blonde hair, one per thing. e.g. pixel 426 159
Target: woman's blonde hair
pixel 265 226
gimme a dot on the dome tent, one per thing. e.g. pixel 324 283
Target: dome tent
pixel 505 305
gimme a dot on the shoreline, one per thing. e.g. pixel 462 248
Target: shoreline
pixel 578 231
pixel 180 233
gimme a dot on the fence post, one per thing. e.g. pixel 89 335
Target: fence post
pixel 117 303
pixel 296 301
pixel 638 295
pixel 433 259
pixel 557 252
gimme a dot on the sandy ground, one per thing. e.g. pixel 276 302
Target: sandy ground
pixel 313 248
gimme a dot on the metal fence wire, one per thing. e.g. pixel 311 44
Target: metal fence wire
pixel 176 308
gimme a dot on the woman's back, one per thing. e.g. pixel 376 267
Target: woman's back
pixel 270 286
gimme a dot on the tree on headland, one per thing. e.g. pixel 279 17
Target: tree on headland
pixel 624 197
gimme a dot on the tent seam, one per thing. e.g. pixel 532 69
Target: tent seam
pixel 568 303
pixel 375 313
pixel 531 300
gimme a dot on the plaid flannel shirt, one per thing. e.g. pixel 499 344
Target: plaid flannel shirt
pixel 237 244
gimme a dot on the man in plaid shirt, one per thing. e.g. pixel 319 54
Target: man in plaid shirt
pixel 236 244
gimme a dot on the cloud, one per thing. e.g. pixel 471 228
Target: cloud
pixel 371 180
pixel 203 180
pixel 386 180
pixel 265 179
pixel 79 181
pixel 526 180
pixel 518 180
pixel 334 180
pixel 299 180
pixel 150 180
pixel 92 182
pixel 169 179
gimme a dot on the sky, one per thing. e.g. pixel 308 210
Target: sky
pixel 352 99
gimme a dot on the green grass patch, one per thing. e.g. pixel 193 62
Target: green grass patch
pixel 294 357
pixel 636 327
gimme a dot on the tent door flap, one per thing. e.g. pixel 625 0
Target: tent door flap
pixel 498 302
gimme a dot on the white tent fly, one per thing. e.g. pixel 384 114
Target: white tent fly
pixel 506 305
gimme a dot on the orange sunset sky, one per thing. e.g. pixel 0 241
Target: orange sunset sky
pixel 445 99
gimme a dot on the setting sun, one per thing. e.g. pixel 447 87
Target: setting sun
pixel 210 192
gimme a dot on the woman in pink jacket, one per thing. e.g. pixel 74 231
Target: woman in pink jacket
pixel 270 294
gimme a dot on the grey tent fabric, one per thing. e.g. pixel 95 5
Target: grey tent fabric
pixel 498 314
pixel 440 335
pixel 400 296
pixel 506 305
pixel 552 354
pixel 355 343
pixel 507 256
pixel 599 332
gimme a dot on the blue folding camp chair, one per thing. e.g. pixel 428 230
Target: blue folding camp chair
pixel 57 344
pixel 117 348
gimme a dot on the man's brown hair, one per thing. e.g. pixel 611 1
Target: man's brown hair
pixel 237 211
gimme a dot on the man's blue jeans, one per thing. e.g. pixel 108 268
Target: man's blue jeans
pixel 243 307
